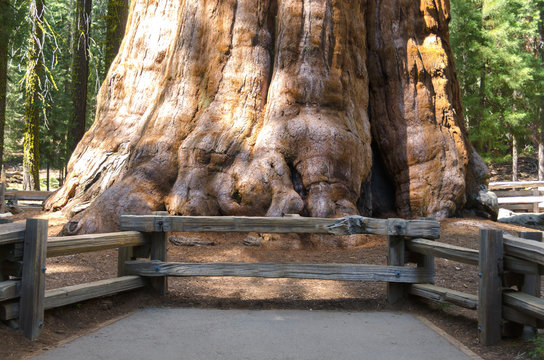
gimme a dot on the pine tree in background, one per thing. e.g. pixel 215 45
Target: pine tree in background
pixel 468 40
pixel 116 21
pixel 5 11
pixel 494 46
pixel 33 82
pixel 539 55
pixel 80 70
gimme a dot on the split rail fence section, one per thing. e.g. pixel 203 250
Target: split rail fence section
pixel 519 195
pixel 24 249
pixel 32 199
pixel 509 282
pixel 23 253
pixel 509 267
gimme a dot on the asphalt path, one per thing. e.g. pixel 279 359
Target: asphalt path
pixel 262 335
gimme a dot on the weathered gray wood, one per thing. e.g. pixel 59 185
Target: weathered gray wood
pixel 347 272
pixel 490 286
pixel 442 250
pixel 514 184
pixel 525 303
pixel 515 207
pixel 511 193
pixel 465 255
pixel 516 316
pixel 12 233
pixel 33 281
pixel 158 252
pixel 521 200
pixel 58 246
pixel 9 310
pixel 520 266
pixel 27 195
pixel 531 282
pixel 10 289
pixel 342 226
pixel 2 198
pixel 443 295
pixel 525 249
pixel 396 257
pixel 77 293
pixel 125 254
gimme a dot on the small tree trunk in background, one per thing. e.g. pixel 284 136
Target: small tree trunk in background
pixel 116 21
pixel 31 152
pixel 541 112
pixel 80 70
pixel 47 179
pixel 478 144
pixel 59 177
pixel 4 36
pixel 541 146
pixel 514 158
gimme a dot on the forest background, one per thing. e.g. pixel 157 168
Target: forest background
pixel 55 55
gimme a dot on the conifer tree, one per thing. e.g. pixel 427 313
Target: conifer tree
pixel 5 10
pixel 33 81
pixel 80 69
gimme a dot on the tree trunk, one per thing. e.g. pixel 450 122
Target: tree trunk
pixel 33 81
pixel 80 69
pixel 262 108
pixel 47 177
pixel 116 22
pixel 4 35
pixel 541 112
pixel 514 158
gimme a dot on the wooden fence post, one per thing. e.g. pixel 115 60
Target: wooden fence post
pixel 531 283
pixel 2 198
pixel 158 252
pixel 159 241
pixel 31 303
pixel 396 257
pixel 124 254
pixel 490 286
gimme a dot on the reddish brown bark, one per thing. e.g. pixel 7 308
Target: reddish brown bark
pixel 261 108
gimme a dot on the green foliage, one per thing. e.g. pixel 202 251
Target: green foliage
pixel 496 44
pixel 55 103
pixel 538 348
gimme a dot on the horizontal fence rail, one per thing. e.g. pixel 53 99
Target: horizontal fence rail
pixel 444 295
pixel 343 226
pixel 514 184
pixel 519 195
pixel 27 195
pixel 76 293
pixel 342 272
pixel 516 262
pixel 58 246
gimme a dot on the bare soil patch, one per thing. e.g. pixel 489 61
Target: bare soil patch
pixel 68 322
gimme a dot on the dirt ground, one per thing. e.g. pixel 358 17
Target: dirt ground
pixel 63 324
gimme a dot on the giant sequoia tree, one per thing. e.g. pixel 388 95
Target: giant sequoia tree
pixel 268 107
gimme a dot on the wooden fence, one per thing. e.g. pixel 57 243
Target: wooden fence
pixel 23 253
pixel 519 195
pixel 510 267
pixel 36 198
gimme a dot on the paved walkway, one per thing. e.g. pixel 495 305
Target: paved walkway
pixel 261 335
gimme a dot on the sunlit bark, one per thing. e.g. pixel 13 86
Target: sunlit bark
pixel 262 108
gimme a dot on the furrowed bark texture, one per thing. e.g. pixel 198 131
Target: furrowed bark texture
pixel 262 108
pixel 31 143
pixel 80 70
